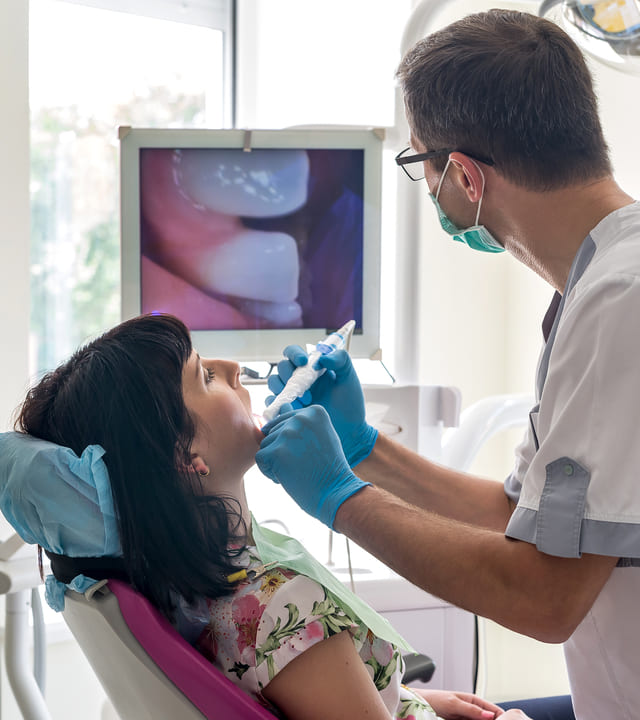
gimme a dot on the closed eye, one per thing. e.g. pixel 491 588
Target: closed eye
pixel 209 375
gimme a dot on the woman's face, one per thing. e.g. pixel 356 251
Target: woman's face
pixel 227 437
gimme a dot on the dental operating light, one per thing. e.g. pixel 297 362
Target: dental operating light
pixel 607 30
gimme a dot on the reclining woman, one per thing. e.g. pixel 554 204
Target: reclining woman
pixel 179 435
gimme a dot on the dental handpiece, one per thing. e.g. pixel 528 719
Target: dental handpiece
pixel 303 377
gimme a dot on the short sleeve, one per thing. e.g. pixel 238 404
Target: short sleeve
pixel 299 614
pixel 579 490
pixel 524 454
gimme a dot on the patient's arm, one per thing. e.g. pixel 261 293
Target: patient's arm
pixel 450 705
pixel 462 705
pixel 329 680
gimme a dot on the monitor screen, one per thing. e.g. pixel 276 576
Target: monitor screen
pixel 255 240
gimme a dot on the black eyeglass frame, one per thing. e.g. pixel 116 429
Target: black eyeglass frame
pixel 402 159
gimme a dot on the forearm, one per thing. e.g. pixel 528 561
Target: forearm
pixel 475 568
pixel 440 490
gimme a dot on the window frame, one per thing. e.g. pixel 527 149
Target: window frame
pixel 214 14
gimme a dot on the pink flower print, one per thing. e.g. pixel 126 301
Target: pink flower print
pixel 247 612
pixel 365 653
pixel 313 632
pixel 382 651
pixel 303 639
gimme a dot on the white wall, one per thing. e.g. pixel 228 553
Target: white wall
pixel 14 206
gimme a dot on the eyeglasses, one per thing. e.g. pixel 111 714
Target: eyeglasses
pixel 416 173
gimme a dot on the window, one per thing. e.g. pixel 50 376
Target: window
pixel 94 66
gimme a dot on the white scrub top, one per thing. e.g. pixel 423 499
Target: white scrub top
pixel 577 475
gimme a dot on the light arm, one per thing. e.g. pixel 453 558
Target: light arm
pixel 440 490
pixel 477 569
pixel 329 680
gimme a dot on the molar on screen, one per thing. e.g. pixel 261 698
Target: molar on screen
pixel 260 183
pixel 194 232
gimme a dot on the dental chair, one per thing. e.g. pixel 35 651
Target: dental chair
pixel 149 671
pixel 63 502
pixel 146 668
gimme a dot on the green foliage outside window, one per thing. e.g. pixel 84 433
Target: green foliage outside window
pixel 75 218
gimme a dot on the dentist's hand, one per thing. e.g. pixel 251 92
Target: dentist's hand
pixel 339 392
pixel 302 451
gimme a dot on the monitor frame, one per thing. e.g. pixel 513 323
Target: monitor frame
pixel 256 345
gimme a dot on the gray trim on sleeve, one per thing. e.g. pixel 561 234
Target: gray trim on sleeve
pixel 512 488
pixel 597 537
pixel 561 508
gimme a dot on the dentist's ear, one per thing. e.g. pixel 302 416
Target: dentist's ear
pixel 468 174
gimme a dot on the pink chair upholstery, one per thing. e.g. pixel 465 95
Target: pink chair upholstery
pixel 146 668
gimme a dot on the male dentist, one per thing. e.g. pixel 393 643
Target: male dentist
pixel 505 131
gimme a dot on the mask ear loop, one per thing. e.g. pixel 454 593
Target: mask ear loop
pixel 446 167
pixel 481 196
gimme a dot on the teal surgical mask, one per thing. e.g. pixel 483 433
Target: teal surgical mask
pixel 476 237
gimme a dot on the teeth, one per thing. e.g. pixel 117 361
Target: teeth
pixel 260 183
pixel 283 315
pixel 253 264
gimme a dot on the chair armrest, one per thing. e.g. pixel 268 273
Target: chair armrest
pixel 418 667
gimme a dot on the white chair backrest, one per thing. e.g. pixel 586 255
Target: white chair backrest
pixel 135 685
pixel 144 666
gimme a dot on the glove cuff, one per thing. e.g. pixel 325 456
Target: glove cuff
pixel 330 509
pixel 362 447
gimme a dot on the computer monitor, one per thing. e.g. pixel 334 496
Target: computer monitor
pixel 256 240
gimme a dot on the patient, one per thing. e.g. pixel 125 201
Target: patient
pixel 179 434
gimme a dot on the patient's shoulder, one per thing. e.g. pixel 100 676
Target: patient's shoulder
pixel 297 614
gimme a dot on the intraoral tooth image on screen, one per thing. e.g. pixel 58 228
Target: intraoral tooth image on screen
pixel 234 240
pixel 256 239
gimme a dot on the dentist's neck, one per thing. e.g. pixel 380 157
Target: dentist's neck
pixel 545 230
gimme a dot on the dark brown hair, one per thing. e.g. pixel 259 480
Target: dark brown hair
pixel 123 391
pixel 512 87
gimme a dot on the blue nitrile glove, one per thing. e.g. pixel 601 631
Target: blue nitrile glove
pixel 302 452
pixel 339 392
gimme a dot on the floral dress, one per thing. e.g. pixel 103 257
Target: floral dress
pixel 269 621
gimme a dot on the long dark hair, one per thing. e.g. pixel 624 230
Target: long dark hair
pixel 123 391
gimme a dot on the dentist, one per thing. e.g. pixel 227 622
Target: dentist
pixel 505 131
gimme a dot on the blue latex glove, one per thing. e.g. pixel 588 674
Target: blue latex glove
pixel 339 392
pixel 302 452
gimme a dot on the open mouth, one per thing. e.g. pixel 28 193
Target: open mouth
pixel 194 202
